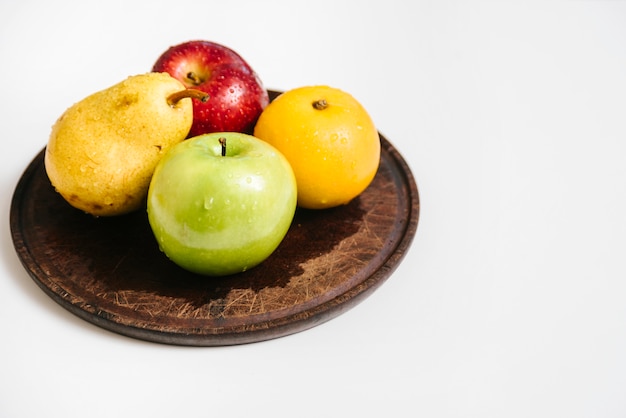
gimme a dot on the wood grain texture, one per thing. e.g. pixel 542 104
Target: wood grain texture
pixel 110 272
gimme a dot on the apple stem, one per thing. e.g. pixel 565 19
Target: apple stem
pixel 193 77
pixel 320 104
pixel 174 98
pixel 223 144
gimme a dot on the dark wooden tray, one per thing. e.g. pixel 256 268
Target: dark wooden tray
pixel 110 272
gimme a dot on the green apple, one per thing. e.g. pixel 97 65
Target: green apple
pixel 221 203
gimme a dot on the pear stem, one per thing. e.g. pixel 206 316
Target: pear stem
pixel 223 144
pixel 174 98
pixel 320 104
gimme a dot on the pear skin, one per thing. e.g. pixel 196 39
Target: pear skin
pixel 102 151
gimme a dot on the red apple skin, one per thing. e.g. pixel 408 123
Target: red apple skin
pixel 237 96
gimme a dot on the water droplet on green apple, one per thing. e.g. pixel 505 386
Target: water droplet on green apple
pixel 208 202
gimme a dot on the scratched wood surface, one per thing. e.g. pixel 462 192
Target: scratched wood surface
pixel 110 272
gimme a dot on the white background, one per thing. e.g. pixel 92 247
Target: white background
pixel 512 299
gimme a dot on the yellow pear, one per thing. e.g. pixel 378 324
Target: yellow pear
pixel 102 151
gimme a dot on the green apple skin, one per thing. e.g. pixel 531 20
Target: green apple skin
pixel 218 215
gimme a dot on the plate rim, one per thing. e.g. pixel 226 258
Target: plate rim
pixel 236 334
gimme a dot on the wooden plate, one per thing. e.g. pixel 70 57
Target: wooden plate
pixel 110 272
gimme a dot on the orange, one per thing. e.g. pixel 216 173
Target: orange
pixel 328 138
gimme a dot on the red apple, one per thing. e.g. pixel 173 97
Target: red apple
pixel 237 96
